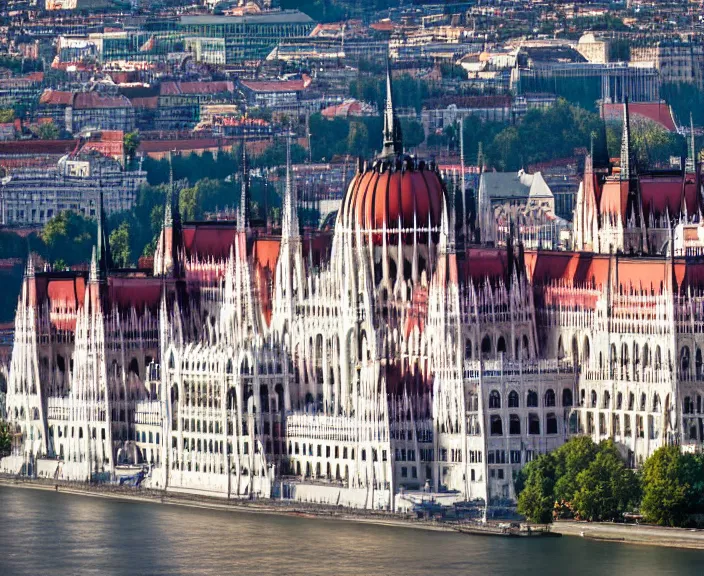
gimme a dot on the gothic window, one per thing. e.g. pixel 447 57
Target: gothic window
pixel 684 361
pixel 467 349
pixel 613 361
pixel 533 424
pixel 698 362
pixel 61 363
pixel 586 351
pixel 631 401
pixel 551 424
pixel 501 346
pixel 642 402
pixel 532 399
pixel 513 399
pixel 526 348
pixel 496 426
pixel 607 400
pixel 486 346
pixel 656 403
pixel 550 397
pixel 560 349
pixel 514 425
pixel 567 397
pixel 593 399
pixel 688 405
pixel 619 401
pixel 134 367
pixel 658 358
pixel 494 399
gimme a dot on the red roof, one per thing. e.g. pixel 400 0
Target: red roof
pixel 178 88
pixel 275 85
pixel 56 98
pixel 150 102
pixel 658 112
pixel 90 100
pixel 660 193
pixel 141 292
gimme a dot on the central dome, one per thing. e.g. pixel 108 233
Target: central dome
pixel 395 191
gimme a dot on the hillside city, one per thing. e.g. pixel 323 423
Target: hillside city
pixel 357 251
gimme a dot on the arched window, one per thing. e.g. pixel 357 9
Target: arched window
pixel 501 346
pixel 560 349
pixel 533 424
pixel 513 401
pixel 684 361
pixel 688 406
pixel 134 367
pixel 658 358
pixel 567 397
pixel 607 400
pixel 496 426
pixel 631 401
pixel 494 399
pixel 619 401
pixel 532 399
pixel 526 348
pixel 656 403
pixel 586 350
pixel 698 362
pixel 593 399
pixel 467 349
pixel 551 424
pixel 643 401
pixel 549 397
pixel 514 425
pixel 486 346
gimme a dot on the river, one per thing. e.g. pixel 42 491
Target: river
pixel 45 533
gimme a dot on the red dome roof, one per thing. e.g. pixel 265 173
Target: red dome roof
pixel 385 193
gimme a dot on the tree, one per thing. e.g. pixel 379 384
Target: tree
pixel 412 132
pixel 5 437
pixel 131 143
pixel 665 487
pixel 120 245
pixel 606 488
pixel 536 499
pixel 6 115
pixel 358 138
pixel 572 458
pixel 48 131
pixel 69 236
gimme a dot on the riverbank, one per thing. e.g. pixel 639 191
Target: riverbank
pixel 272 507
pixel 607 532
pixel 632 534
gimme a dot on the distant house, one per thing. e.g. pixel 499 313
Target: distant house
pixel 179 102
pixel 274 93
pixel 350 107
pixel 79 111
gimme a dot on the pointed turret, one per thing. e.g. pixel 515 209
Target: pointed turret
pixel 289 222
pixel 103 257
pixel 166 256
pixel 628 166
pixel 243 213
pixel 392 128
pixel 691 162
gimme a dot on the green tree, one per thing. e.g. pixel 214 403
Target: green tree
pixel 572 458
pixel 666 492
pixel 412 132
pixel 536 498
pixel 6 115
pixel 606 488
pixel 131 143
pixel 69 236
pixel 120 245
pixel 48 131
pixel 357 139
pixel 5 436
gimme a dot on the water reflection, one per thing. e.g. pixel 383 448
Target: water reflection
pixel 49 533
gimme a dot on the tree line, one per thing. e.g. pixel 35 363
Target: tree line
pixel 591 481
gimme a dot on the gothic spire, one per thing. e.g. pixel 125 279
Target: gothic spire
pixel 627 159
pixel 103 258
pixel 168 208
pixel 392 128
pixel 289 222
pixel 243 215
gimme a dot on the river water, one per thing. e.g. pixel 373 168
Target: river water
pixel 45 533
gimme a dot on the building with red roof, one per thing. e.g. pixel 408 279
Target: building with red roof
pixel 350 366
